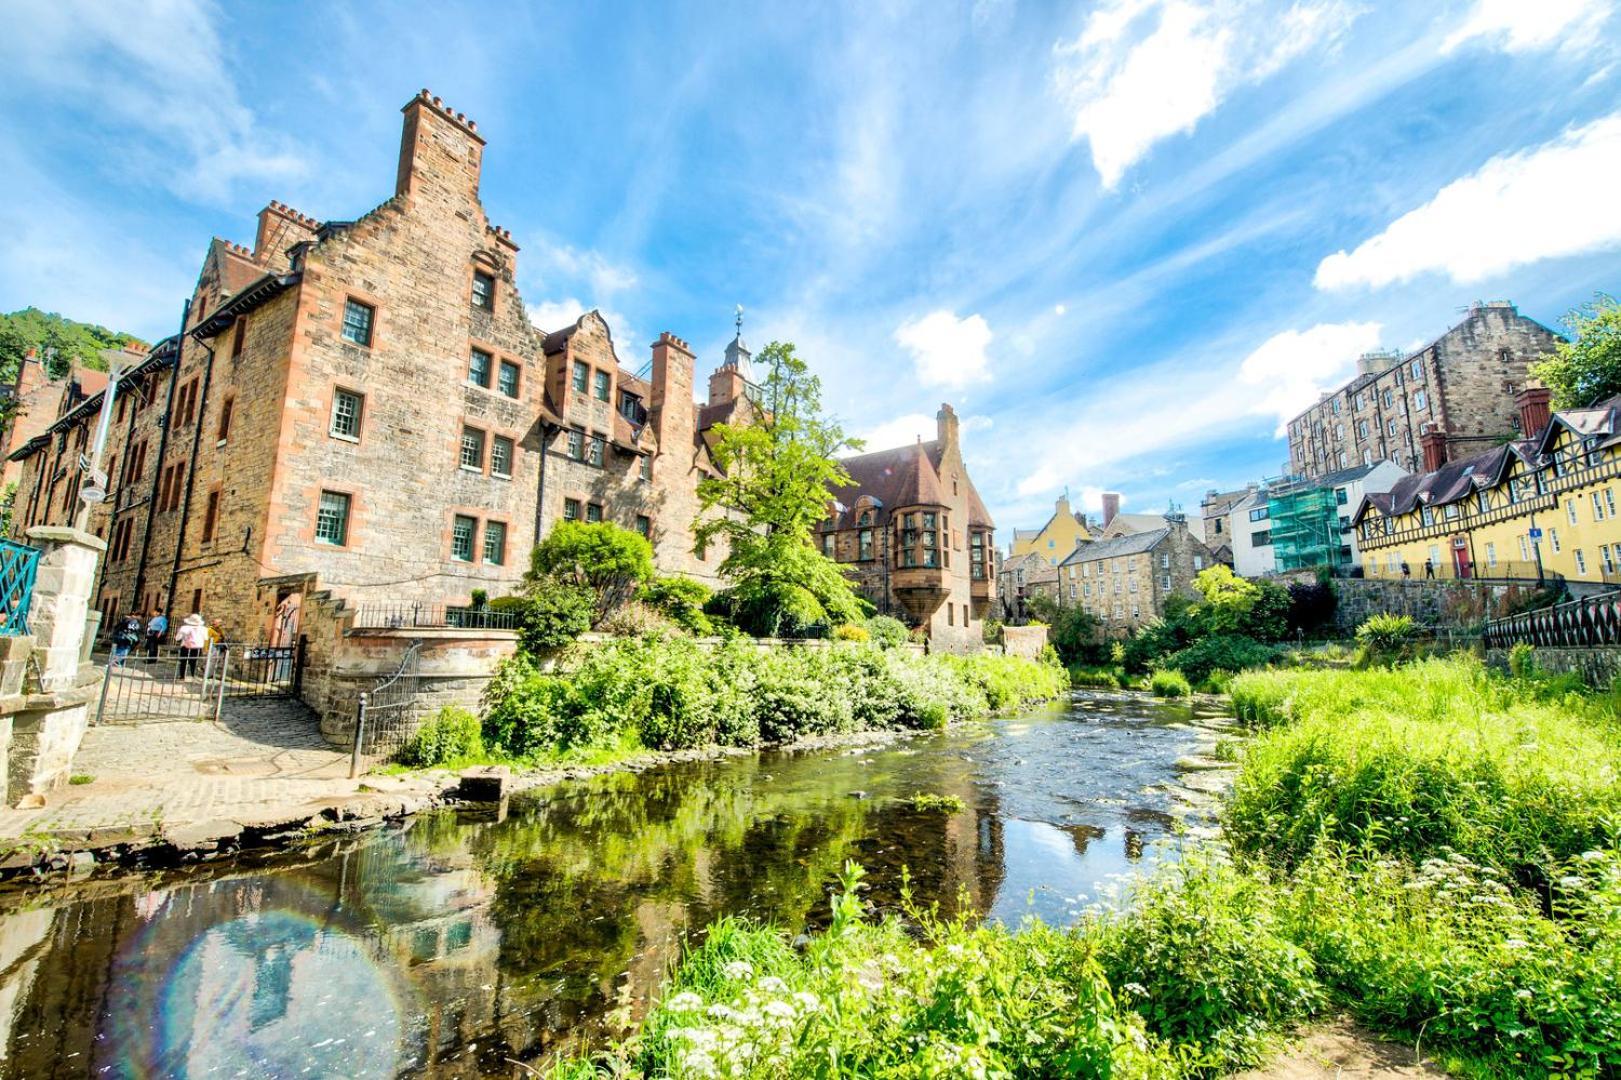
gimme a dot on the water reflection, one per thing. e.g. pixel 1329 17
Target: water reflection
pixel 458 944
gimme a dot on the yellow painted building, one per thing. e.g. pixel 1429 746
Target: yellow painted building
pixel 1545 506
pixel 1063 533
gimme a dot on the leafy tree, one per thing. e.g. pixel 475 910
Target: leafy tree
pixel 778 471
pixel 1228 598
pixel 1268 617
pixel 682 600
pixel 62 342
pixel 1586 369
pixel 1074 634
pixel 607 561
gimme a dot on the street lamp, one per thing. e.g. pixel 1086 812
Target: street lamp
pixel 96 490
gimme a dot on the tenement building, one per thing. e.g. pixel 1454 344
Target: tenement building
pixel 363 407
pixel 1462 384
pixel 1056 538
pixel 913 533
pixel 1124 581
pixel 1542 507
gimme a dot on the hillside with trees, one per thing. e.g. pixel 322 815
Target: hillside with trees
pixel 62 341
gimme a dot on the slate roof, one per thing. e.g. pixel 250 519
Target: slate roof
pixel 902 476
pixel 1135 523
pixel 1130 544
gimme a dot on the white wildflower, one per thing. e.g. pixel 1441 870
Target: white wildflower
pixel 773 985
pixel 738 969
pixel 686 1001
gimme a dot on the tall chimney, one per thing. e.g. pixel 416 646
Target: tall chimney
pixel 441 152
pixel 1434 443
pixel 1535 411
pixel 1111 507
pixel 673 418
pixel 946 427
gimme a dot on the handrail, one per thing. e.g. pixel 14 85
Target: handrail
pixel 19 566
pixel 1591 622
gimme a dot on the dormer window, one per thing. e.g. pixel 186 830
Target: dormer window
pixel 483 290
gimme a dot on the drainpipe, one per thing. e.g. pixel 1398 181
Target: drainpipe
pixel 191 473
pixel 547 430
pixel 112 520
pixel 163 446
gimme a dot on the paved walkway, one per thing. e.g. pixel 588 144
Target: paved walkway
pixel 263 763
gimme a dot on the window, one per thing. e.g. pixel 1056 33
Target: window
pixel 576 445
pixel 1342 459
pixel 827 544
pixel 1598 507
pixel 508 381
pixel 1491 554
pixel 571 509
pixel 1570 510
pixel 1427 515
pixel 346 410
pixel 1261 539
pixel 1420 402
pixel 1258 514
pixel 1553 540
pixel 976 557
pixel 1198 562
pixel 1072 591
pixel 1609 562
pixel 1581 562
pixel 1362 429
pixel 462 529
pixel 495 542
pixel 225 418
pixel 644 525
pixel 951 614
pixel 1339 432
pixel 478 368
pixel 472 456
pixel 602 386
pixel 1390 429
pixel 582 375
pixel 1165 582
pixel 1452 511
pixel 864 543
pixel 1609 502
pixel 240 337
pixel 1388 397
pixel 1417 368
pixel 593 512
pixel 357 321
pixel 211 516
pixel 1336 406
pixel 483 291
pixel 594 451
pixel 1525 552
pixel 501 456
pixel 1165 560
pixel 644 468
pixel 332 519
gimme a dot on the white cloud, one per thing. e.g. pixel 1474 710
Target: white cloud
pixel 908 429
pixel 947 351
pixel 551 315
pixel 1144 70
pixel 587 267
pixel 1522 26
pixel 1550 201
pixel 1294 367
pixel 157 76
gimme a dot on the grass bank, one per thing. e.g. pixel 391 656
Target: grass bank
pixel 1431 849
pixel 667 693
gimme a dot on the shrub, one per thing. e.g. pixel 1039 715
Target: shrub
pixel 886 631
pixel 1094 678
pixel 1311 606
pixel 1227 651
pixel 1386 639
pixel 636 619
pixel 1199 953
pixel 451 734
pixel 851 632
pixel 551 617
pixel 1522 660
pixel 524 709
pixel 1166 683
pixel 991 631
pixel 682 600
pixel 608 562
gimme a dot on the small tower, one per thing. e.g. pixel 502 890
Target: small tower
pixel 738 356
pixel 736 374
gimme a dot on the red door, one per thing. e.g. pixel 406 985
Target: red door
pixel 1460 557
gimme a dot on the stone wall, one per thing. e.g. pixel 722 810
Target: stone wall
pixel 1024 640
pixel 1597 667
pixel 1440 604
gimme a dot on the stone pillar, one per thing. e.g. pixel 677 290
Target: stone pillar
pixel 62 588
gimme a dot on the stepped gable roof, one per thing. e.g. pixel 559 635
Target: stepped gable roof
pixel 903 476
pixel 557 339
pixel 1131 544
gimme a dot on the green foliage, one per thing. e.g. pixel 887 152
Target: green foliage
pixel 682 600
pixel 991 632
pixel 449 735
pixel 670 692
pixel 1095 678
pixel 778 472
pixel 607 561
pixel 1386 639
pixel 551 616
pixel 1169 683
pixel 1199 953
pixel 927 802
pixel 1228 652
pixel 851 632
pixel 1312 606
pixel 61 342
pixel 887 631
pixel 1586 369
pixel 1077 635
pixel 480 598
pixel 1228 598
pixel 1522 660
pixel 79 779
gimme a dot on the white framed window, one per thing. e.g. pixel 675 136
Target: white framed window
pixel 1609 501
pixel 1570 510
pixel 1420 401
pixel 1165 583
pixel 495 542
pixel 346 409
pixel 462 529
pixel 472 452
pixel 1417 368
pixel 1198 562
pixel 332 519
pixel 1525 549
pixel 357 321
pixel 1581 561
pixel 1553 540
pixel 1598 506
pixel 1491 554
pixel 501 457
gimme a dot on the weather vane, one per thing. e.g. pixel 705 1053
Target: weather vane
pixel 740 320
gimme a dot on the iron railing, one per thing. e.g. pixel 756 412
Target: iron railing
pixel 19 564
pixel 1575 624
pixel 386 713
pixel 173 684
pixel 396 616
pixel 1447 570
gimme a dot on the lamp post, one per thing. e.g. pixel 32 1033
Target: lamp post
pixel 96 490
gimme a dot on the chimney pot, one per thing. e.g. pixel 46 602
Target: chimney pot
pixel 1434 444
pixel 1111 507
pixel 1534 403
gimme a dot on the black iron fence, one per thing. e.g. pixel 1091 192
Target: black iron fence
pixel 396 616
pixel 387 713
pixel 1587 623
pixel 194 684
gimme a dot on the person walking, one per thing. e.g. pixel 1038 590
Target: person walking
pixel 156 627
pixel 192 637
pixel 125 638
pixel 1429 568
pixel 1406 570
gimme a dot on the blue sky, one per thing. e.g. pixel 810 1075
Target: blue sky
pixel 1124 239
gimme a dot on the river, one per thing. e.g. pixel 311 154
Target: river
pixel 457 943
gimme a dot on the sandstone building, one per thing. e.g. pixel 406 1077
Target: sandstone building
pixel 913 533
pixel 1056 538
pixel 363 407
pixel 1462 384
pixel 1124 581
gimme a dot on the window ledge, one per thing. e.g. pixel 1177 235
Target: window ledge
pixel 499 475
pixel 341 437
pixel 220 443
pixel 471 469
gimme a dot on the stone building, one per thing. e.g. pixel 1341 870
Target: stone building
pixel 1461 384
pixel 41 400
pixel 363 408
pixel 1020 579
pixel 1124 581
pixel 1056 538
pixel 913 533
pixel 1214 528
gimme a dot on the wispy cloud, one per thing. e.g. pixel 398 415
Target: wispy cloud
pixel 1553 200
pixel 1144 70
pixel 1522 26
pixel 946 350
pixel 155 79
pixel 1290 369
